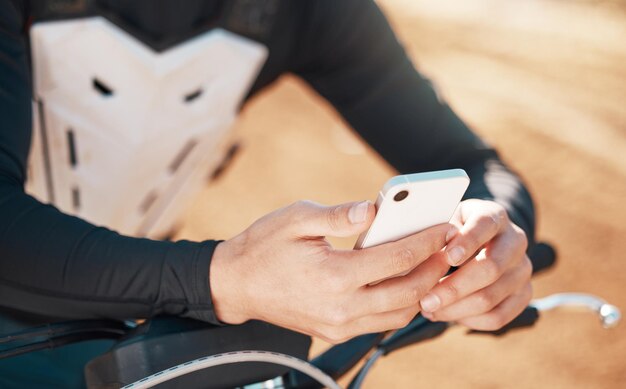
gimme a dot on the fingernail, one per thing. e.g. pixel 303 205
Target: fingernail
pixel 358 212
pixel 451 233
pixel 430 303
pixel 455 255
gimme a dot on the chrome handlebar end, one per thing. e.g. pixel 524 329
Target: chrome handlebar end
pixel 608 314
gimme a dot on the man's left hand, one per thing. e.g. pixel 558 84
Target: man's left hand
pixel 492 285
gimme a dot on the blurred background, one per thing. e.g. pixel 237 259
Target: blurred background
pixel 544 81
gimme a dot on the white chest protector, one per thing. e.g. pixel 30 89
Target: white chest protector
pixel 124 136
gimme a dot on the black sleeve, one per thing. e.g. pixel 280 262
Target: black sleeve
pixel 352 58
pixel 57 265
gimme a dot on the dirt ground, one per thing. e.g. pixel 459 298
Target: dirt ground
pixel 545 81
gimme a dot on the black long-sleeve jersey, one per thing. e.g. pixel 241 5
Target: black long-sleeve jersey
pixel 55 265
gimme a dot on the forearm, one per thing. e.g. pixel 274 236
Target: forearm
pixel 58 265
pixel 413 130
pixel 493 180
pixel 423 133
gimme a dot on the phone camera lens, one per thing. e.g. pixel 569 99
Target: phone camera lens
pixel 401 195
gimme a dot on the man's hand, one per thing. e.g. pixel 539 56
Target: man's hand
pixel 282 270
pixel 492 285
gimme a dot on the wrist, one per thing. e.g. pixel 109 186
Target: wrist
pixel 226 292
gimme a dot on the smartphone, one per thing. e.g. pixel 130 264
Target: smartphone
pixel 411 203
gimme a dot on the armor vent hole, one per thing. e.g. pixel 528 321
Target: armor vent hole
pixel 76 198
pixel 148 201
pixel 190 97
pixel 71 146
pixel 182 155
pixel 226 161
pixel 102 88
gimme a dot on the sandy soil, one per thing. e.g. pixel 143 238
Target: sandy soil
pixel 543 80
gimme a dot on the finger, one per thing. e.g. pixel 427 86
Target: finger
pixel 390 259
pixel 502 314
pixel 479 228
pixel 402 292
pixel 487 298
pixel 457 218
pixel 503 253
pixel 309 219
pixel 379 322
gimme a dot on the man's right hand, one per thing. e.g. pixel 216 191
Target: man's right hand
pixel 281 270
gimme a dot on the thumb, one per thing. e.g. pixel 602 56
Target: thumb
pixel 337 220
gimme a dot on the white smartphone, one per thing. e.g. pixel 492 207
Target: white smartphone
pixel 413 202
